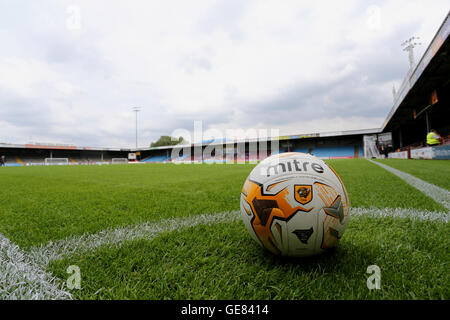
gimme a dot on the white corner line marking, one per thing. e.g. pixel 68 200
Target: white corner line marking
pixel 400 213
pixel 21 278
pixel 22 275
pixel 55 250
pixel 438 194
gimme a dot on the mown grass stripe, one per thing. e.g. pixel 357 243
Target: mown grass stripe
pixel 44 254
pixel 21 278
pixel 22 275
pixel 400 213
pixel 213 261
pixel 438 194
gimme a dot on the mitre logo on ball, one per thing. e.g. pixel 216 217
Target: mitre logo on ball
pixel 294 204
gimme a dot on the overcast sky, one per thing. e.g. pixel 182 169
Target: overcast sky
pixel 71 71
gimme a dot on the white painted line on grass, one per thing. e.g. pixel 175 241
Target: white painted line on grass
pixel 56 250
pixel 438 194
pixel 21 278
pixel 44 254
pixel 400 213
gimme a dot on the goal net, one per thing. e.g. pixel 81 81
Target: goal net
pixel 56 161
pixel 370 147
pixel 119 160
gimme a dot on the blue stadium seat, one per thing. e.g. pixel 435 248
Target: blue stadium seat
pixel 156 159
pixel 334 152
pixel 280 150
pixel 302 150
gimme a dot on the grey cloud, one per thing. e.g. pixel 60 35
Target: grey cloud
pixel 100 90
pixel 224 15
pixel 20 111
pixel 360 93
pixel 193 62
pixel 340 98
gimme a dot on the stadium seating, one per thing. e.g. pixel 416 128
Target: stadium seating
pixel 334 152
pixel 252 157
pixel 242 157
pixel 214 160
pixel 13 162
pixel 302 150
pixel 155 159
pixel 280 150
pixel 32 160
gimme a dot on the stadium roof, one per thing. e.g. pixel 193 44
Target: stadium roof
pixel 280 138
pixel 57 147
pixel 431 73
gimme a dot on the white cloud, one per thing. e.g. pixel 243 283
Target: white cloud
pixel 229 63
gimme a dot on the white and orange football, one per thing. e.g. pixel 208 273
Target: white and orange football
pixel 294 204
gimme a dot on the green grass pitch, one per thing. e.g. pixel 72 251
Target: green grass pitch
pixel 221 261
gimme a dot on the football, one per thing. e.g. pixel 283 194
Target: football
pixel 294 204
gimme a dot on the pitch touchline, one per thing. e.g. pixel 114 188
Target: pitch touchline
pixel 116 237
pixel 438 194
pixel 22 278
pixel 22 275
pixel 400 213
pixel 44 254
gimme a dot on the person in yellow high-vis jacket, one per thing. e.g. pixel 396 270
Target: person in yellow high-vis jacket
pixel 433 138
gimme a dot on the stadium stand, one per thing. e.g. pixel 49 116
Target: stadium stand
pixel 302 150
pixel 280 150
pixel 422 102
pixel 29 155
pixel 163 158
pixel 334 152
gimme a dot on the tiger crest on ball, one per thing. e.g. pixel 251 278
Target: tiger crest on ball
pixel 294 204
pixel 303 194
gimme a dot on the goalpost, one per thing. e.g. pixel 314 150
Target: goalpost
pixel 56 161
pixel 370 147
pixel 119 160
